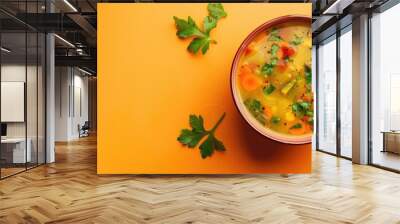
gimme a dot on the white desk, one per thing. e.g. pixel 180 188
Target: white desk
pixel 18 150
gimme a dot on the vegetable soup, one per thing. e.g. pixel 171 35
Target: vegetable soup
pixel 274 79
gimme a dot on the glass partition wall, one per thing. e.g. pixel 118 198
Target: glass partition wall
pixel 326 95
pixel 334 93
pixel 345 61
pixel 385 89
pixel 22 98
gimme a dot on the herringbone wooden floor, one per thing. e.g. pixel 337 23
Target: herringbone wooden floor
pixel 69 191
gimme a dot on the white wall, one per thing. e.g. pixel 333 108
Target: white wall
pixel 71 102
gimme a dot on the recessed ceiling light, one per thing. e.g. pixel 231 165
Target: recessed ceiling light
pixel 64 40
pixel 84 71
pixel 5 50
pixel 70 5
pixel 337 7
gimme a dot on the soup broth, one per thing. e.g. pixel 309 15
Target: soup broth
pixel 274 79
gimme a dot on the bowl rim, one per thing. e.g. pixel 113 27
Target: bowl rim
pixel 251 121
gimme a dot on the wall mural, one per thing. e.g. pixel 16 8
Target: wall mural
pixel 204 88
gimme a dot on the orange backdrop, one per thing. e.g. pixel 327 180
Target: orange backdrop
pixel 148 84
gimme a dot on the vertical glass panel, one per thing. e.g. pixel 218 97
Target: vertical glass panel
pixel 346 93
pixel 31 86
pixel 32 98
pixel 13 93
pixel 314 69
pixel 41 98
pixel 327 96
pixel 385 89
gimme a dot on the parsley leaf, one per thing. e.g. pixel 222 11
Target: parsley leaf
pixel 275 119
pixel 307 73
pixel 301 108
pixel 209 23
pixel 202 39
pixel 274 35
pixel 297 40
pixel 187 28
pixel 216 10
pixel 256 109
pixel 274 49
pixel 296 126
pixel 267 69
pixel 269 89
pixel 209 145
pixel 197 123
pixel 198 43
pixel 191 138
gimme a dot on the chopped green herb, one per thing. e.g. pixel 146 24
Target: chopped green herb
pixel 296 126
pixel 274 35
pixel 297 40
pixel 267 69
pixel 269 89
pixel 274 61
pixel 310 113
pixel 191 138
pixel 275 119
pixel 301 108
pixel 189 29
pixel 254 105
pixel 274 49
pixel 255 108
pixel 308 74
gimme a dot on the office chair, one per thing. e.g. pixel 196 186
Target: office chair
pixel 84 130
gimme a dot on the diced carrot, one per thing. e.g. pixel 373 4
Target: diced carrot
pixel 245 70
pixel 250 82
pixel 249 48
pixel 290 51
pixel 279 53
pixel 307 128
pixel 306 98
pixel 281 65
pixel 283 44
pixel 285 51
pixel 267 112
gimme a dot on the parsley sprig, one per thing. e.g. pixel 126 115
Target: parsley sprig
pixel 189 29
pixel 191 138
